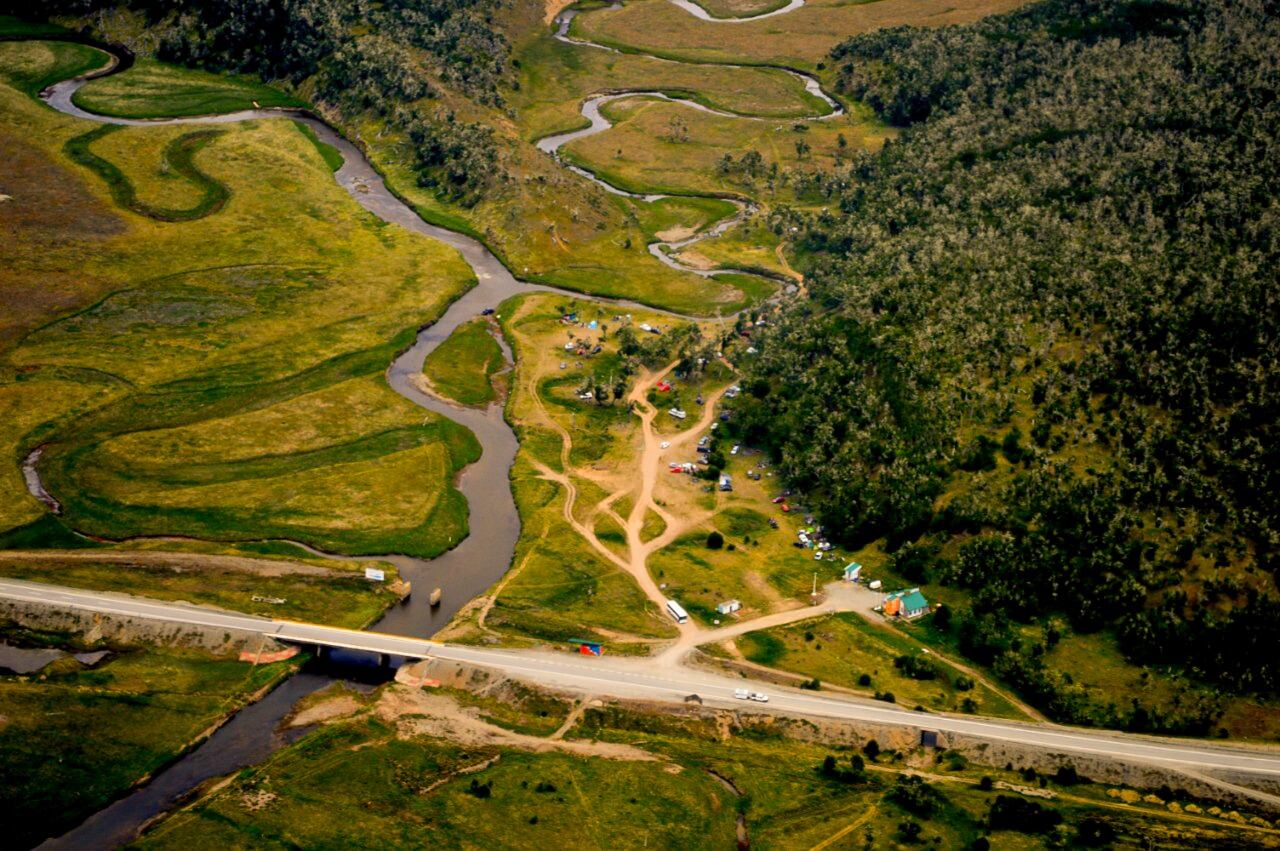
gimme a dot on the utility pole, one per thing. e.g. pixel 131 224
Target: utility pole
pixel 813 595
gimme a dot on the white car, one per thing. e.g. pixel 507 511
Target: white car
pixel 741 694
pixel 665 444
pixel 758 697
pixel 817 556
pixel 734 450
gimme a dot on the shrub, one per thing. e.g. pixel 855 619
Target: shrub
pixel 1011 447
pixel 1067 776
pixel 1093 832
pixel 855 773
pixel 1014 813
pixel 916 667
pixel 715 541
pixel 909 832
pixel 913 794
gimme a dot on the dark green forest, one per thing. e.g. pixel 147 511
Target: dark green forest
pixel 389 58
pixel 1038 353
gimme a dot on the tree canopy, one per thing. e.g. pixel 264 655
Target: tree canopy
pixel 1069 253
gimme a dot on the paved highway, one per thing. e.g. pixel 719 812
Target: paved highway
pixel 647 678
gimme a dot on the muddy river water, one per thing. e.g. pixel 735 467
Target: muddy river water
pixel 469 568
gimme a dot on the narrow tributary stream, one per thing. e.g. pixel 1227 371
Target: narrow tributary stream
pixel 665 251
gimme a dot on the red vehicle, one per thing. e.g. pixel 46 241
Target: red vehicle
pixel 663 387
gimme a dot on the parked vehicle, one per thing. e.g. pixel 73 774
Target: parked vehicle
pixel 677 413
pixel 677 611
pixel 742 694
pixel 759 697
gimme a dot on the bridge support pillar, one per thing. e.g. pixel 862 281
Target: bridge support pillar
pixel 384 660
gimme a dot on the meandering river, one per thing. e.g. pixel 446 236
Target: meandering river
pixel 483 556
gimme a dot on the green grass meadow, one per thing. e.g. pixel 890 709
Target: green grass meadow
pixel 840 649
pixel 32 66
pixel 219 377
pixel 152 89
pixel 463 366
pixel 340 598
pixel 688 782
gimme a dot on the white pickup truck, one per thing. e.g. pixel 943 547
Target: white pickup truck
pixel 744 694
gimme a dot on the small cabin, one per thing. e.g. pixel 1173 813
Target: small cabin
pixel 909 604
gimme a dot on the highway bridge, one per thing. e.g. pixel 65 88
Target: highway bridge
pixel 650 679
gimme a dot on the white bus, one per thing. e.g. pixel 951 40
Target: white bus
pixel 677 611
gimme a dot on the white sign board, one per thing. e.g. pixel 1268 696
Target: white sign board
pixel 374 574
